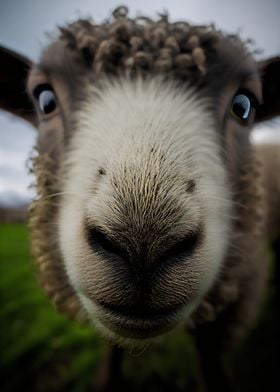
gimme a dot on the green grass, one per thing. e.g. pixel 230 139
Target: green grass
pixel 46 351
pixel 43 351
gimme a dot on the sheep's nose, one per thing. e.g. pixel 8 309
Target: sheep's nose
pixel 100 242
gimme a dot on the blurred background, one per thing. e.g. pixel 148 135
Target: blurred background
pixel 41 349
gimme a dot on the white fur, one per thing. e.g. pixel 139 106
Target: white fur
pixel 117 126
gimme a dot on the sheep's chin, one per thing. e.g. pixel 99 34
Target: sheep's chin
pixel 131 338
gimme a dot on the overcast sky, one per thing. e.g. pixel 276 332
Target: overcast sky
pixel 23 25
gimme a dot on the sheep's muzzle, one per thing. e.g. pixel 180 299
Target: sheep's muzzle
pixel 140 316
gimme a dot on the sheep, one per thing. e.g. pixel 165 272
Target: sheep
pixel 154 210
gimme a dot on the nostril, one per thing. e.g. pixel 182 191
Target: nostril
pixel 183 247
pixel 100 242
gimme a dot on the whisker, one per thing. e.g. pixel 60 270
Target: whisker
pixel 58 194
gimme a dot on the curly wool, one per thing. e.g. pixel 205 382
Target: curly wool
pixel 145 46
pixel 43 213
pixel 244 264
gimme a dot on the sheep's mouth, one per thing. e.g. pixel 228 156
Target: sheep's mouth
pixel 138 325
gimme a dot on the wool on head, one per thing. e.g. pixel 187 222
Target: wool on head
pixel 147 46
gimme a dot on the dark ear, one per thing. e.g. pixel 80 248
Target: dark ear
pixel 270 76
pixel 14 70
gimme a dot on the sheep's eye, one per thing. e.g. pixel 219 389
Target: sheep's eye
pixel 46 98
pixel 242 105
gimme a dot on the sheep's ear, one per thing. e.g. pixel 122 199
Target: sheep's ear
pixel 14 70
pixel 270 76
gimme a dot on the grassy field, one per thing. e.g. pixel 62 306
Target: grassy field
pixel 40 347
pixel 44 351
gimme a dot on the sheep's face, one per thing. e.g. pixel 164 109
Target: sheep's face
pixel 144 216
pixel 144 220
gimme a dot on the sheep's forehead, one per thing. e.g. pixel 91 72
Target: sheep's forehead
pixel 147 46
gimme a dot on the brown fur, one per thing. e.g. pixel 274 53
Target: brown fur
pixel 42 222
pixel 269 157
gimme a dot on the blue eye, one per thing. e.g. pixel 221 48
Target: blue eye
pixel 46 98
pixel 241 106
pixel 47 102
